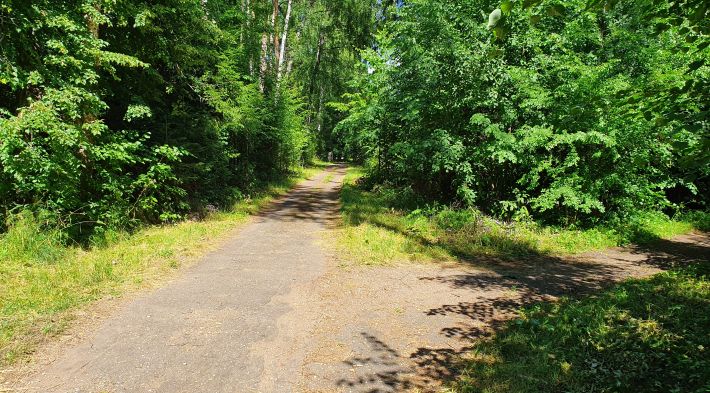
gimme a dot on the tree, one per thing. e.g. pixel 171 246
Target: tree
pixel 559 114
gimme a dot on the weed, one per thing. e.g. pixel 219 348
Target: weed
pixel 328 178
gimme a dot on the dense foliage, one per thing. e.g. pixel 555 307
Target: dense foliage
pixel 119 112
pixel 569 112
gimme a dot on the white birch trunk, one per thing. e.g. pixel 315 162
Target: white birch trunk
pixel 284 37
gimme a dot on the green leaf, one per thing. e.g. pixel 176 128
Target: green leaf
pixel 500 32
pixel 527 4
pixel 556 10
pixel 506 7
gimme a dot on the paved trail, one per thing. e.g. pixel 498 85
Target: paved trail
pixel 202 332
pixel 273 312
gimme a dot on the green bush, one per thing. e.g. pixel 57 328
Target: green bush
pixel 451 219
pixel 117 114
pixel 565 114
pixel 700 219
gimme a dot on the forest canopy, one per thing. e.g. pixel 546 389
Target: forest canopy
pixel 120 112
pixel 568 112
pixel 114 113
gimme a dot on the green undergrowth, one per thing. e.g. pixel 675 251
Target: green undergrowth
pixel 374 232
pixel 644 335
pixel 42 281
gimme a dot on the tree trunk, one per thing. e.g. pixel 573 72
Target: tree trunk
pixel 263 68
pixel 249 17
pixel 316 67
pixel 275 30
pixel 284 37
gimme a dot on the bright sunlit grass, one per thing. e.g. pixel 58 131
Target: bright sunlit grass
pixel 375 233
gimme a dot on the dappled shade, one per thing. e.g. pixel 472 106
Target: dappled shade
pixel 492 307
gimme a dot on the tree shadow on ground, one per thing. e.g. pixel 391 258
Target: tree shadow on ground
pixel 308 203
pixel 384 370
pixel 668 254
pixel 535 279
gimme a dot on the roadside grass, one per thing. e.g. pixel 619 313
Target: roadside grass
pixel 43 282
pixel 374 232
pixel 644 335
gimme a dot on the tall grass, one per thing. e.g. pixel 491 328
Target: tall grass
pixel 31 240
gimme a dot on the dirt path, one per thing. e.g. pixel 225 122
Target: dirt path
pixel 273 312
pixel 402 328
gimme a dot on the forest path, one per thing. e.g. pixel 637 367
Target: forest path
pixel 272 311
pixel 206 330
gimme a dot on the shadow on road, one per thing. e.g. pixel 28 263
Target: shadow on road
pixel 537 279
pixel 306 202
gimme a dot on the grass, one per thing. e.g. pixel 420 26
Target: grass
pixel 328 178
pixel 376 233
pixel 644 335
pixel 43 282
